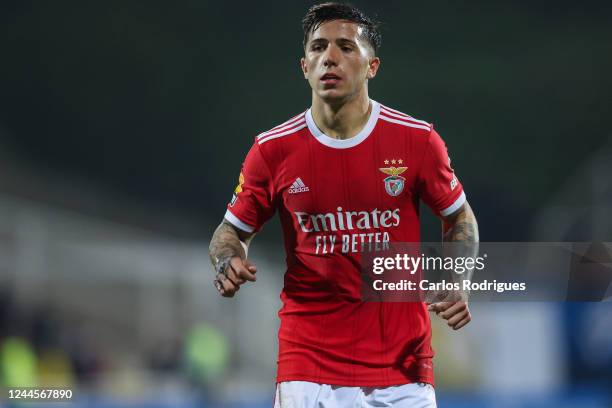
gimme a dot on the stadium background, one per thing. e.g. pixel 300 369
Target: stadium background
pixel 122 129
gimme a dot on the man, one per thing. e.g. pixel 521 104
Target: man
pixel 345 175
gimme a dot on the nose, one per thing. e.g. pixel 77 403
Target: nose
pixel 331 56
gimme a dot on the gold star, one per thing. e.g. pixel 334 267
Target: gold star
pixel 393 161
pixel 400 161
pixel 386 161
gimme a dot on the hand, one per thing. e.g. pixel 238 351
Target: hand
pixel 457 314
pixel 238 271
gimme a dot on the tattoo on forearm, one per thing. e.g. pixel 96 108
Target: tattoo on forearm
pixel 225 243
pixel 463 228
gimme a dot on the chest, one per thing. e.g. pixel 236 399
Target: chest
pixel 374 176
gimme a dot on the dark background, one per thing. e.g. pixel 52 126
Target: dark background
pixel 157 103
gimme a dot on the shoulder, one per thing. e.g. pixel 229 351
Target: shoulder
pixel 283 131
pixel 401 120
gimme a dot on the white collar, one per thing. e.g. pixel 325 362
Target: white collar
pixel 344 143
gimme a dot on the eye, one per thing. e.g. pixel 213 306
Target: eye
pixel 317 47
pixel 346 48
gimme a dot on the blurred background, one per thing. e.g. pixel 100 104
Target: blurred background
pixel 123 126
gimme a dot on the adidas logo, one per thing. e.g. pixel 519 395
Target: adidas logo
pixel 298 186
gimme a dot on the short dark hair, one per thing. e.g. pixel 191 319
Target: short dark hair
pixel 321 13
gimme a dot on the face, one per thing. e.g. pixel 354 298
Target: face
pixel 338 61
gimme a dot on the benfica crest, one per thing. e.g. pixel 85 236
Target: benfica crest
pixel 394 184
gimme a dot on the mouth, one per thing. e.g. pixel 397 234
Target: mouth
pixel 330 79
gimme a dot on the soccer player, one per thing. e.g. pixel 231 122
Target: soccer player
pixel 346 174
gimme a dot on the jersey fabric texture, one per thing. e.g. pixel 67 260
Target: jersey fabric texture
pixel 337 198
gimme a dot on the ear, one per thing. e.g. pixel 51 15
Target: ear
pixel 373 67
pixel 304 67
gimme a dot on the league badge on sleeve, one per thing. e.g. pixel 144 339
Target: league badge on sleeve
pixel 394 183
pixel 238 190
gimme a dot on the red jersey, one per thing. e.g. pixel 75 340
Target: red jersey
pixel 336 198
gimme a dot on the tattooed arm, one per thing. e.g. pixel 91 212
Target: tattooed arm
pixel 461 227
pixel 228 254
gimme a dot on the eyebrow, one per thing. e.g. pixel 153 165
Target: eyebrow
pixel 346 41
pixel 340 40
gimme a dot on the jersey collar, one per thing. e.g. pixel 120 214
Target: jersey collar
pixel 344 143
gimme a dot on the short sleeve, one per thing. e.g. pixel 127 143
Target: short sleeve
pixel 253 201
pixel 439 187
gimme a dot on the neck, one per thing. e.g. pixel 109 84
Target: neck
pixel 341 119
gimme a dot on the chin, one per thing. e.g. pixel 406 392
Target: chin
pixel 332 95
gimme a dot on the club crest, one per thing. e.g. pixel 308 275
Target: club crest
pixel 394 183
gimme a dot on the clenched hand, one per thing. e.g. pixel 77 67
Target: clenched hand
pixel 457 314
pixel 238 272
